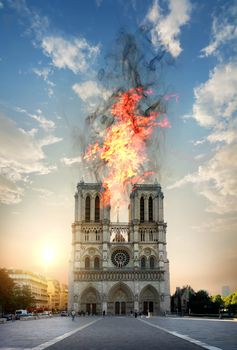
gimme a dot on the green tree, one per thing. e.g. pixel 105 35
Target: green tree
pixel 230 302
pixel 23 298
pixel 200 303
pixel 217 303
pixel 6 291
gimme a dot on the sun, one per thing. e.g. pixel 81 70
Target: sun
pixel 48 255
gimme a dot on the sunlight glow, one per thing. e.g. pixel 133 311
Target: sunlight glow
pixel 48 255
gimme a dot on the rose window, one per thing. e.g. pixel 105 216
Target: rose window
pixel 120 258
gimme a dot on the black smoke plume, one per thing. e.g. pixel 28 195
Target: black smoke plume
pixel 131 63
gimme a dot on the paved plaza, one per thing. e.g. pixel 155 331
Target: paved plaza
pixel 88 333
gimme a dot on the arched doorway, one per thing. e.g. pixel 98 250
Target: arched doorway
pixel 120 300
pixel 149 301
pixel 90 302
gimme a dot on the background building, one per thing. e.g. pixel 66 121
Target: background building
pixel 53 294
pixel 36 283
pixel 63 296
pixel 118 267
pixel 180 300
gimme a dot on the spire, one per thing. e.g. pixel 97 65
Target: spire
pixel 117 213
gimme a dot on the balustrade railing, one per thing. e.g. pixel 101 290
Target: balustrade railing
pixel 126 275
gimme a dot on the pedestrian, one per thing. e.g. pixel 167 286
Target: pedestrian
pixel 73 313
pixel 103 313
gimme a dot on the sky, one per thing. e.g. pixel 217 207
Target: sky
pixel 53 59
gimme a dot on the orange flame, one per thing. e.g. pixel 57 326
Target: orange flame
pixel 124 146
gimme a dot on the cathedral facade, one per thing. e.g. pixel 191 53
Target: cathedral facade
pixel 119 268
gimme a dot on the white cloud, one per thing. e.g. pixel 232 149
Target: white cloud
pixel 21 110
pixel 49 140
pixel 74 55
pixel 198 142
pixel 9 192
pixel 71 161
pixel 1 5
pixel 166 29
pixel 215 108
pixel 227 136
pixel 37 24
pixel 44 73
pixel 216 99
pixel 224 31
pixel 21 154
pixel 199 156
pixel 89 90
pixel 43 122
pixel 216 180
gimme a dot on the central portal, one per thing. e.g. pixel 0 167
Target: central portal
pixel 120 308
pixel 120 300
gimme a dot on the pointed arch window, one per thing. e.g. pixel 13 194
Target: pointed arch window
pixel 150 208
pixel 87 263
pixel 87 236
pixel 97 208
pixel 88 209
pixel 151 236
pixel 97 263
pixel 97 235
pixel 152 262
pixel 142 209
pixel 143 262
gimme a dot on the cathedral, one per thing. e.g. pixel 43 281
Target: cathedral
pixel 119 268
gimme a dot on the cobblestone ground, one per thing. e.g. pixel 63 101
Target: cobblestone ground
pixel 92 333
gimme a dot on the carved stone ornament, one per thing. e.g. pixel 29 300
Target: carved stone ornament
pixel 147 251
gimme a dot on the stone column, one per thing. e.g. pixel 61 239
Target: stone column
pixel 161 215
pixel 136 296
pixel 162 208
pixel 75 307
pixel 106 213
pixel 104 307
pixel 76 206
pixel 136 208
pixel 106 239
pixel 79 201
pixel 83 204
pixel 155 209
pixel 135 247
pixel 131 210
pixel 146 208
pixel 70 284
pixel 92 214
pixel 136 306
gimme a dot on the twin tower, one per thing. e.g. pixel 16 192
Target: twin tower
pixel 119 268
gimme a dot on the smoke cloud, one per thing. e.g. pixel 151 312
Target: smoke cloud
pixel 132 63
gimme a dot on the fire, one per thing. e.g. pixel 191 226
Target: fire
pixel 124 146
